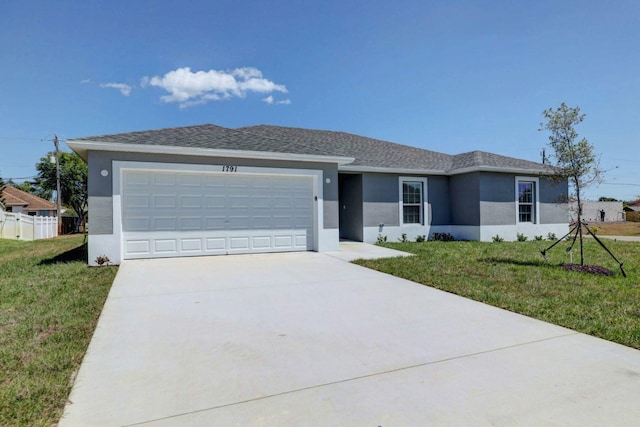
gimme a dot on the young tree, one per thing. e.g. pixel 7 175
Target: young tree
pixel 2 185
pixel 73 182
pixel 574 159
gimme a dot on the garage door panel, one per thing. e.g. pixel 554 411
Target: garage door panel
pixel 164 224
pixel 191 201
pixel 183 213
pixel 190 180
pixel 216 244
pixel 137 224
pixel 190 223
pixel 138 247
pixel 283 241
pixel 241 243
pixel 132 179
pixel 165 246
pixel 191 245
pixel 137 201
pixel 164 201
pixel 215 223
pixel 164 179
pixel 261 242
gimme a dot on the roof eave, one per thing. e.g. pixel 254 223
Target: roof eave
pixel 84 146
pixel 379 169
pixel 498 169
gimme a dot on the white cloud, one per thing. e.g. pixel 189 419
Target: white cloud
pixel 269 100
pixel 192 88
pixel 123 88
pixel 85 81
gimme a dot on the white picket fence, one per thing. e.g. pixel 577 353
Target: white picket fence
pixel 18 226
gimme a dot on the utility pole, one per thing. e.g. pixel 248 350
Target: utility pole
pixel 59 199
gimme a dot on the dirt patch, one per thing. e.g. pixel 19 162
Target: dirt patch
pixel 589 269
pixel 617 228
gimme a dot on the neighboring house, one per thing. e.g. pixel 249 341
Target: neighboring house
pixel 18 201
pixel 592 211
pixel 633 206
pixel 207 190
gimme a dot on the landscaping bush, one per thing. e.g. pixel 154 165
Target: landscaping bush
pixel 442 237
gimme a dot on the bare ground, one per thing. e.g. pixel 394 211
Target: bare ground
pixel 617 228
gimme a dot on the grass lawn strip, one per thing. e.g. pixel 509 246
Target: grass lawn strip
pixel 50 302
pixel 514 276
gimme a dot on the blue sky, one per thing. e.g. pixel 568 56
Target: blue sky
pixel 450 76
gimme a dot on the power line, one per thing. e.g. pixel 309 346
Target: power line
pixel 23 177
pixel 619 183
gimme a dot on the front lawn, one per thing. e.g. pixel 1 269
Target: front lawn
pixel 514 276
pixel 49 305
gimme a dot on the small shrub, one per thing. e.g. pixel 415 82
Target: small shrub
pixel 521 237
pixel 103 260
pixel 551 236
pixel 594 229
pixel 442 237
pixel 381 239
pixel 420 239
pixel 497 239
pixel 403 238
pixel 538 237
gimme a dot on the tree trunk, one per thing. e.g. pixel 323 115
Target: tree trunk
pixel 579 220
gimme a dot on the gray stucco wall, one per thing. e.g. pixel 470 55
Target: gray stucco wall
pixel 439 200
pixel 100 188
pixel 497 198
pixel 484 198
pixel 381 197
pixel 380 200
pixel 554 206
pixel 465 193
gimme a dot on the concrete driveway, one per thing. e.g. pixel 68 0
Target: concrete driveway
pixel 307 339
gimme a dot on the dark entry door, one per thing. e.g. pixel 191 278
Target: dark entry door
pixel 350 197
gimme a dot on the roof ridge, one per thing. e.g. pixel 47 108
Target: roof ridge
pixel 349 134
pixel 202 125
pixel 246 129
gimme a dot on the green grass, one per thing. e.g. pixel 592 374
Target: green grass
pixel 514 276
pixel 49 305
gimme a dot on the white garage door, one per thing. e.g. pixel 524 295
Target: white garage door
pixel 168 214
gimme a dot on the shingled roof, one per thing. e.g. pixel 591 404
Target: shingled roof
pixel 15 197
pixel 367 153
pixel 209 136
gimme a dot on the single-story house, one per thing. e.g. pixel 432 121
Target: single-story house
pixel 208 190
pixel 18 201
pixel 597 211
pixel 633 206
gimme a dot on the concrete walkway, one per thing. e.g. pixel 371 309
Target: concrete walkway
pixel 307 339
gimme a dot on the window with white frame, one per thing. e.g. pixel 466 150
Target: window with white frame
pixel 526 189
pixel 412 198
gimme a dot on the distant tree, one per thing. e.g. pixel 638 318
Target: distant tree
pixel 607 199
pixel 35 189
pixel 73 182
pixel 573 159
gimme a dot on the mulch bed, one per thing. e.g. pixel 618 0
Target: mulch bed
pixel 590 269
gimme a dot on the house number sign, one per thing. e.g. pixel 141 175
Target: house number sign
pixel 229 168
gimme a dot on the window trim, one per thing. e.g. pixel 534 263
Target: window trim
pixel 423 205
pixel 536 199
